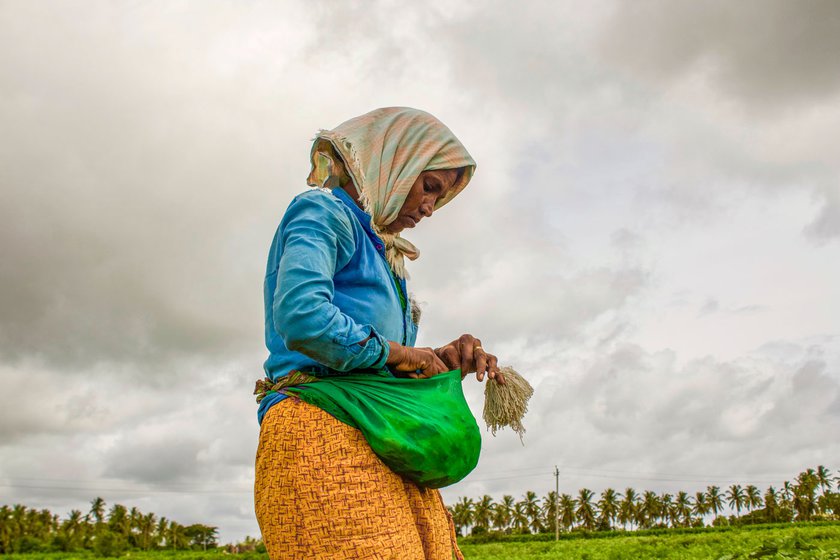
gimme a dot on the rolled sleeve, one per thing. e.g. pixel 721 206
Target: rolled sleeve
pixel 317 240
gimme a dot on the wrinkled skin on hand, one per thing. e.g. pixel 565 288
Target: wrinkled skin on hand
pixel 465 352
pixel 415 363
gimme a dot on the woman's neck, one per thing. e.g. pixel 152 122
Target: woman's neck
pixel 350 189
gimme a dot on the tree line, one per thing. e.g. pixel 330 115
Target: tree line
pixel 24 529
pixel 810 497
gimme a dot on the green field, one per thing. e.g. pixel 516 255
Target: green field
pixel 820 542
pixel 816 542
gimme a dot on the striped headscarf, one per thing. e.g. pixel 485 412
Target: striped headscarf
pixel 383 152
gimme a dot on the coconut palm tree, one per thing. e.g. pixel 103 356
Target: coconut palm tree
pixel 608 506
pixel 804 495
pixel 550 510
pixel 753 498
pixel 771 504
pixel 735 498
pixel 18 520
pixel 649 509
pixel 502 513
pixel 483 512
pixel 118 520
pixel 532 511
pixel 787 494
pixel 715 500
pixel 518 518
pixel 73 530
pixel 462 514
pixel 146 530
pixel 666 509
pixel 824 479
pixel 584 511
pixel 5 529
pixel 160 531
pixel 134 517
pixel 682 509
pixel 97 510
pixel 701 505
pixel 176 536
pixel 627 507
pixel 568 517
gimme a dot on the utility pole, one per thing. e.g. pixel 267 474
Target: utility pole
pixel 556 503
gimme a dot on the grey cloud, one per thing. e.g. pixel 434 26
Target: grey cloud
pixel 764 54
pixel 682 158
pixel 626 240
pixel 163 460
pixel 826 225
pixel 614 412
pixel 180 450
pixel 712 306
pixel 124 216
pixel 531 301
pixel 748 309
pixel 35 403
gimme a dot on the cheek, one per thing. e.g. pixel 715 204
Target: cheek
pixel 410 206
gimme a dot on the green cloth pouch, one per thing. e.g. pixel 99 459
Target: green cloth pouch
pixel 422 429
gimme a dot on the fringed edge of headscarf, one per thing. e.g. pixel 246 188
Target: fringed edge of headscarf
pixel 416 309
pixel 353 167
pixel 395 258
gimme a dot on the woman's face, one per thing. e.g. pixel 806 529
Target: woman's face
pixel 429 187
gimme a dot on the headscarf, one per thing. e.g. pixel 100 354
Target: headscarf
pixel 383 152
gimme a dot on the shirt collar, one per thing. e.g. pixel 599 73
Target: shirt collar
pixel 363 217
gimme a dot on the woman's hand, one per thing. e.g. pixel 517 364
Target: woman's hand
pixel 466 352
pixel 415 363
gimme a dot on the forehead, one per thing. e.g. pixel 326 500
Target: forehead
pixel 447 176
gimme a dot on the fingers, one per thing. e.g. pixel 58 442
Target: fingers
pixel 450 356
pixel 467 353
pixel 493 369
pixel 466 346
pixel 480 362
pixel 439 364
pixel 429 364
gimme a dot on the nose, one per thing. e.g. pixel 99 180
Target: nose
pixel 427 208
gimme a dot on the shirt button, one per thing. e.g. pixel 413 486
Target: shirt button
pixel 378 247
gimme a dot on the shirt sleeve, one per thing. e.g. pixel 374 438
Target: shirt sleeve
pixel 317 240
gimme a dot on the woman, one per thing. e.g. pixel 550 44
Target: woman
pixel 335 301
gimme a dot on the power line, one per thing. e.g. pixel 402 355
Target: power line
pixel 124 490
pixel 582 472
pixel 526 472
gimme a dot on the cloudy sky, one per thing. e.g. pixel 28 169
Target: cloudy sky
pixel 652 236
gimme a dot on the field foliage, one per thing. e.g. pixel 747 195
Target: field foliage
pixel 809 541
pixel 818 542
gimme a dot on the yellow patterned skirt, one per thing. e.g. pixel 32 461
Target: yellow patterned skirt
pixel 321 493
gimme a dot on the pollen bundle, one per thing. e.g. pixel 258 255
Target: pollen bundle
pixel 506 405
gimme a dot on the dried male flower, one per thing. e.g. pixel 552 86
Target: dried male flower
pixel 506 405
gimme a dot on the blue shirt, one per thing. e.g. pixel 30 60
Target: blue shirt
pixel 328 288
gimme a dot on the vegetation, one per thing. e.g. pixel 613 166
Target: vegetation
pixel 814 540
pixel 26 530
pixel 807 541
pixel 810 497
pixel 799 520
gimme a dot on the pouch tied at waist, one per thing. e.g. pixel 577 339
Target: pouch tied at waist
pixel 422 429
